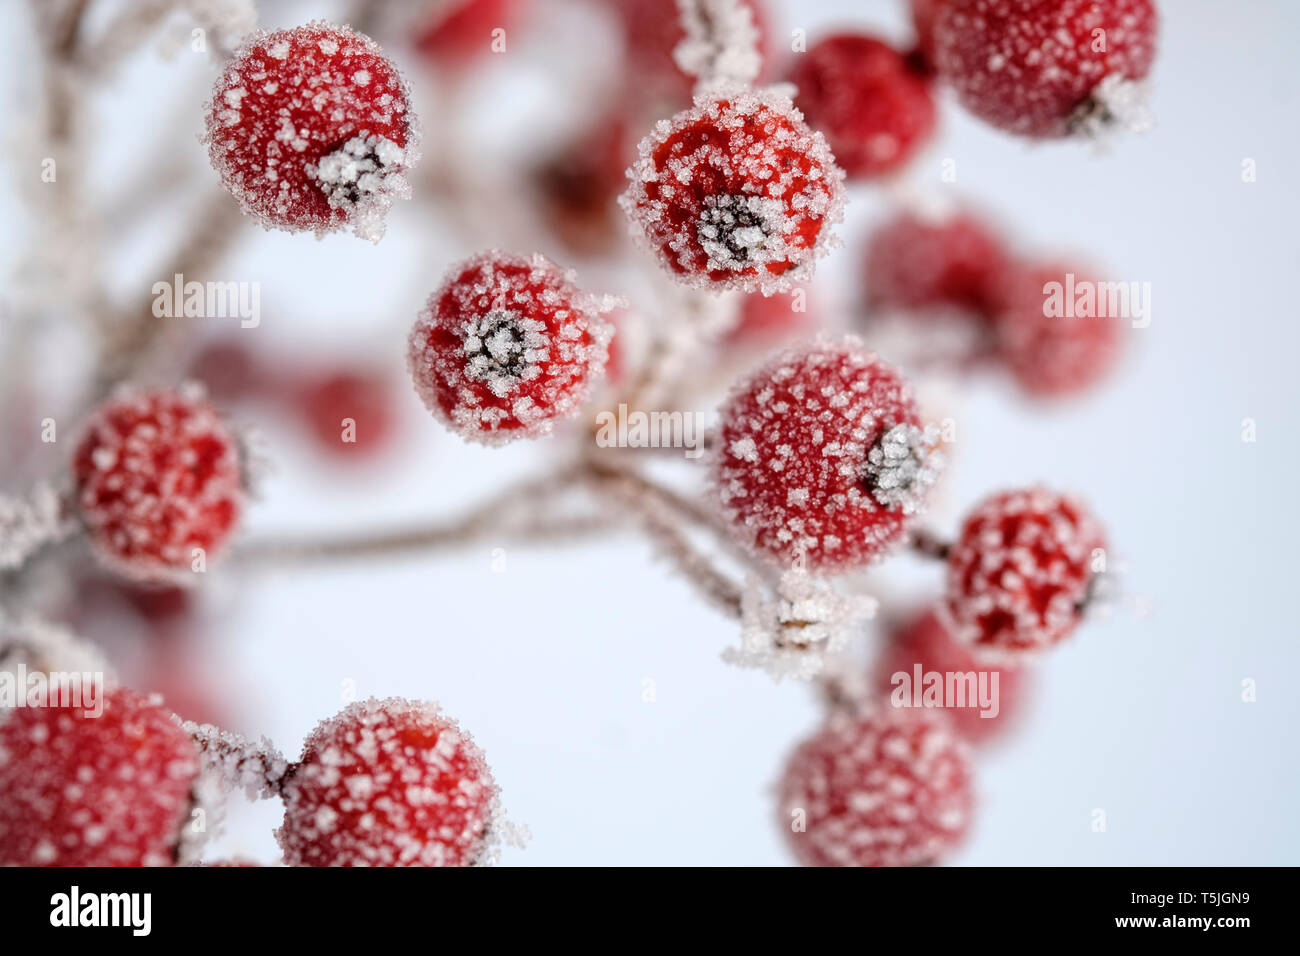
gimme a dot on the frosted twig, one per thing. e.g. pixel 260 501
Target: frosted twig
pixel 130 334
pixel 493 516
pixel 721 43
pixel 28 524
pixel 928 544
pixel 257 768
pixel 659 523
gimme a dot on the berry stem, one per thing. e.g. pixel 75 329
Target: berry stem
pixel 929 545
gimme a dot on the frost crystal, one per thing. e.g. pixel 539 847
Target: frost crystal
pixel 792 635
pixel 237 763
pixel 41 646
pixel 903 465
pixel 361 178
pixel 27 523
pixel 1115 103
pixel 721 42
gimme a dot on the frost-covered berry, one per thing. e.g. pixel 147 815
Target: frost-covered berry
pixel 821 457
pixel 1047 68
pixel 507 346
pixel 349 412
pixel 387 783
pixel 311 130
pixel 159 485
pixel 916 262
pixel 79 788
pixel 877 787
pixel 925 641
pixel 873 106
pixel 736 193
pixel 1020 574
pixel 765 319
pixel 461 31
pixel 1057 331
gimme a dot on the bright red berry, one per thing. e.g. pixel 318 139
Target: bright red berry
pixel 507 346
pixel 1056 330
pixel 736 193
pixel 463 30
pixel 387 783
pixel 159 484
pixel 349 413
pixel 1020 575
pixel 821 457
pixel 81 789
pixel 1045 68
pixel 916 262
pixel 874 108
pixel 311 129
pixel 765 319
pixel 925 640
pixel 877 787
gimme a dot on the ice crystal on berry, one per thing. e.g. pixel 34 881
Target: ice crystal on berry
pixel 792 470
pixel 28 523
pixel 388 783
pixel 507 346
pixel 877 787
pixel 1032 66
pixel 1019 575
pixel 903 465
pixel 792 635
pixel 311 129
pixel 736 193
pixel 158 482
pixel 79 789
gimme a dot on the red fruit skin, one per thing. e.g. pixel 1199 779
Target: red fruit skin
pixel 1027 66
pixel 874 108
pixel 286 101
pixel 727 150
pixel 1018 576
pixel 924 13
pixel 579 187
pixel 1054 356
pixel 768 318
pixel 878 787
pixel 387 783
pixel 555 371
pixel 915 263
pixel 158 475
pixel 78 790
pixel 926 641
pixel 462 30
pixel 789 470
pixel 326 401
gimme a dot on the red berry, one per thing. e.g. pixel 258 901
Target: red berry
pixel 462 30
pixel 1056 331
pixel 821 457
pixel 387 783
pixel 737 193
pixel 79 789
pixel 230 371
pixel 1044 68
pixel 768 318
pixel 873 106
pixel 916 262
pixel 507 346
pixel 349 413
pixel 578 186
pixel 157 479
pixel 926 641
pixel 1019 576
pixel 879 787
pixel 311 130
